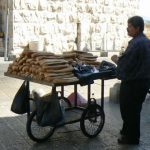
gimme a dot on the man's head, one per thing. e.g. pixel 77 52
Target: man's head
pixel 135 26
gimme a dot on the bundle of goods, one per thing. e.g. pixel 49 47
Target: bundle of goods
pixel 42 66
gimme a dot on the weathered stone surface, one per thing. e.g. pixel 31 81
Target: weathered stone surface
pixel 41 18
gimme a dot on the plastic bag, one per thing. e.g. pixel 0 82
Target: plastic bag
pixel 20 101
pixel 48 109
pixel 81 101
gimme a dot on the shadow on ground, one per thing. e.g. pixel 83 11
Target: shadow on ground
pixel 14 136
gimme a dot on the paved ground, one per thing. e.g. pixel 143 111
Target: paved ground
pixel 13 134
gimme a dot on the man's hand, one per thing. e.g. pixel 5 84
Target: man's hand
pixel 114 58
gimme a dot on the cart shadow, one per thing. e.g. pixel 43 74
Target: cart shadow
pixel 14 136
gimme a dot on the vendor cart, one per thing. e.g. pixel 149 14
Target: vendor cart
pixel 91 116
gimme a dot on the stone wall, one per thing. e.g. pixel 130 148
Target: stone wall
pixel 147 29
pixel 54 23
pixel 6 18
pixel 2 12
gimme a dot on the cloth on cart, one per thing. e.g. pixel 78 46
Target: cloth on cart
pixel 87 74
pixel 48 108
pixel 83 71
pixel 105 65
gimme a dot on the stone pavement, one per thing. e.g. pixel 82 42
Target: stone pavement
pixel 13 134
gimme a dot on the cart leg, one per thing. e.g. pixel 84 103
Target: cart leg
pixel 62 91
pixel 28 100
pixel 102 93
pixel 89 94
pixel 75 91
pixel 67 103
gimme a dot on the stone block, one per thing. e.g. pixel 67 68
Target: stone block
pixel 104 54
pixel 114 93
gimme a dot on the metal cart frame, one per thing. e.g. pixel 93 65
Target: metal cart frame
pixel 91 113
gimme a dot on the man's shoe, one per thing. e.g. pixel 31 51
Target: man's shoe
pixel 124 140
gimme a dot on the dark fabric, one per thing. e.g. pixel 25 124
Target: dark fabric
pixel 87 75
pixel 83 73
pixel 20 101
pixel 89 78
pixel 82 69
pixel 105 65
pixel 135 61
pixel 132 96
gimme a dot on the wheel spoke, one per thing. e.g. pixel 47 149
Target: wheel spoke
pixel 36 132
pixel 92 120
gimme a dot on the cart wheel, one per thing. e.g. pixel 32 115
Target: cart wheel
pixel 36 132
pixel 92 120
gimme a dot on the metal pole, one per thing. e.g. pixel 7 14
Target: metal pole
pixel 6 35
pixel 28 100
pixel 78 39
pixel 89 94
pixel 76 95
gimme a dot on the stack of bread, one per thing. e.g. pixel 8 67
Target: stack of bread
pixel 81 56
pixel 42 66
pixel 50 67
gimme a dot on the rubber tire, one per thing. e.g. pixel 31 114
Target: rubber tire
pixel 89 109
pixel 30 133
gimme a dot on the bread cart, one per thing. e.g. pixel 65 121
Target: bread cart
pixel 91 117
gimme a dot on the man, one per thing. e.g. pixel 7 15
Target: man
pixel 133 69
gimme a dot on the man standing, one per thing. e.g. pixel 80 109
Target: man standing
pixel 133 69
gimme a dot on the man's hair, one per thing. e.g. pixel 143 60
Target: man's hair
pixel 137 21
